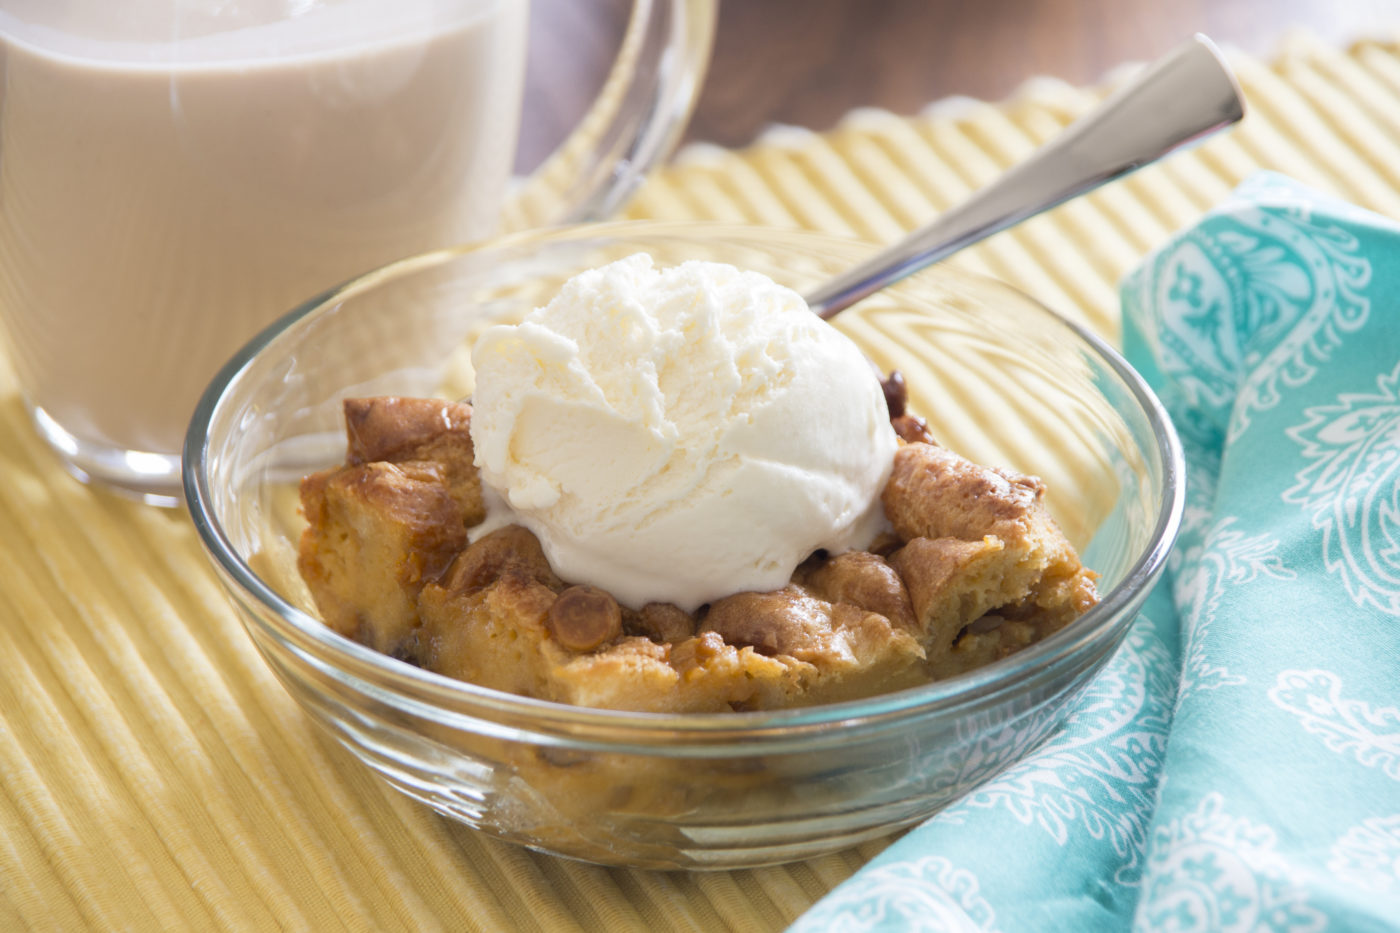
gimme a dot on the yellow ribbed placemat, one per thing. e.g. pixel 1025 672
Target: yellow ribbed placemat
pixel 153 774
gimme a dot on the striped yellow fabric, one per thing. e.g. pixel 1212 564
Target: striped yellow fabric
pixel 153 775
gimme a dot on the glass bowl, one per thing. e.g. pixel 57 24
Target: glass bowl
pixel 1000 379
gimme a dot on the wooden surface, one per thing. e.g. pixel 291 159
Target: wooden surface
pixel 808 62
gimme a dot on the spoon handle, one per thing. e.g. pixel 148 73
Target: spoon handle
pixel 1183 97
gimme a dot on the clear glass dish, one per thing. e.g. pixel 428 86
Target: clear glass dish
pixel 1000 379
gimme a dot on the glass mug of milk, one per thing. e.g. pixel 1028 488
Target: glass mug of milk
pixel 175 174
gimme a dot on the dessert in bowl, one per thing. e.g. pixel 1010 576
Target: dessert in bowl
pixel 999 379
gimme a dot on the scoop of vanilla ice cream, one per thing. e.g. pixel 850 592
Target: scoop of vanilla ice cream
pixel 680 434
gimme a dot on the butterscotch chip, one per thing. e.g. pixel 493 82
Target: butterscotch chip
pixel 660 622
pixel 912 429
pixel 394 430
pixel 376 533
pixel 896 393
pixel 865 580
pixel 584 617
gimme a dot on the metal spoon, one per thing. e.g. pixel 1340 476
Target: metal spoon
pixel 1181 98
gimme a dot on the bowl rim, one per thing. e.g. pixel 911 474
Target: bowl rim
pixel 438 691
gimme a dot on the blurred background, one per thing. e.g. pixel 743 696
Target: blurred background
pixel 808 62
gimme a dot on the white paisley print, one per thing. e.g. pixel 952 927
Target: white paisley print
pixel 1368 855
pixel 1210 871
pixel 925 895
pixel 1098 775
pixel 1227 558
pixel 1351 489
pixel 1253 302
pixel 1369 734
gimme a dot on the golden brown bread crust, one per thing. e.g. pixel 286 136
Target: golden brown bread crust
pixel 496 636
pixel 934 493
pixel 702 674
pixel 852 651
pixel 973 569
pixel 395 430
pixel 990 639
pixel 375 534
pixel 862 579
pixel 952 582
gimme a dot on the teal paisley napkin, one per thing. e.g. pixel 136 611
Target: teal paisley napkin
pixel 1236 766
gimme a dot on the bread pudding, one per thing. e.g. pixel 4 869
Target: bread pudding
pixel 970 568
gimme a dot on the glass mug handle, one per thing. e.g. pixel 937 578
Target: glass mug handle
pixel 632 125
